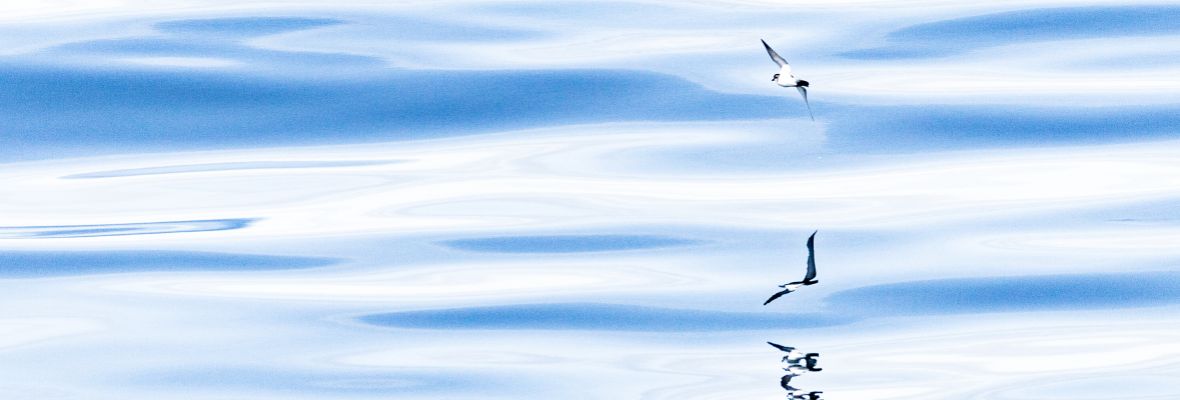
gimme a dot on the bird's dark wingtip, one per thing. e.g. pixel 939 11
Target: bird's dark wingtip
pixel 775 296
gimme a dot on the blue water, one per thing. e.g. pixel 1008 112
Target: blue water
pixel 34 264
pixel 517 199
pixel 112 111
pixel 1011 294
pixel 242 26
pixel 948 37
pixel 135 228
pixel 263 381
pixel 594 317
pixel 981 126
pixel 219 167
pixel 565 243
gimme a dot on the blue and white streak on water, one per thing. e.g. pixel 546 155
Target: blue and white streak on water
pixel 510 199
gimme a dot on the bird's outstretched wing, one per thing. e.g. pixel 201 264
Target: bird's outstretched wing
pixel 810 252
pixel 785 382
pixel 781 347
pixel 777 295
pixel 774 56
pixel 803 91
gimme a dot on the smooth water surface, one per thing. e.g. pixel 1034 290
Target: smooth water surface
pixel 526 200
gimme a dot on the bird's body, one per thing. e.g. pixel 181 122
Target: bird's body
pixel 808 278
pixel 785 78
pixel 795 369
pixel 804 396
pixel 794 356
pixel 810 362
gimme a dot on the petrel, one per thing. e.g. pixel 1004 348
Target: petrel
pixel 784 77
pixel 805 396
pixel 793 355
pixel 808 279
pixel 795 369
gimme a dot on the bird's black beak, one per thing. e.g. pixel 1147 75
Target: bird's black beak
pixel 775 78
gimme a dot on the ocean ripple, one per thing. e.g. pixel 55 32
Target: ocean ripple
pixel 590 316
pixel 141 228
pixel 37 264
pixel 223 166
pixel 959 35
pixel 1012 294
pixel 566 243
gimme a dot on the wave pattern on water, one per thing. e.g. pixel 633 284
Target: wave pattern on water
pixel 221 167
pixel 124 229
pixel 508 199
pixel 268 380
pixel 958 35
pixel 35 264
pixel 566 243
pixel 594 317
pixel 1012 294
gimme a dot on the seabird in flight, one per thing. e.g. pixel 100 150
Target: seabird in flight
pixel 784 77
pixel 793 355
pixel 808 279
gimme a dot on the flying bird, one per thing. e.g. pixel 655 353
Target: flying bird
pixel 795 369
pixel 784 77
pixel 808 279
pixel 794 356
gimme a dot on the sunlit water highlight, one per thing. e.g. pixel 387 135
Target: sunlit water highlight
pixel 498 199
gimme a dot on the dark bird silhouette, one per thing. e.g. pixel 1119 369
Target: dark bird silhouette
pixel 787 349
pixel 786 382
pixel 810 362
pixel 805 396
pixel 808 279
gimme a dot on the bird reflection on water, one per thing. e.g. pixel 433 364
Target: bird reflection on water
pixel 814 395
pixel 798 362
pixel 793 355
